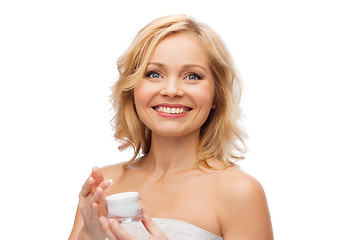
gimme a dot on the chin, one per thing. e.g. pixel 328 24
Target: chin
pixel 173 132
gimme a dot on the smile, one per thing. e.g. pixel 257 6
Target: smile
pixel 172 109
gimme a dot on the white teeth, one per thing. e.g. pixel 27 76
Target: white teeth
pixel 171 110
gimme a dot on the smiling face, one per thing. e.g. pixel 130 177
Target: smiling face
pixel 175 96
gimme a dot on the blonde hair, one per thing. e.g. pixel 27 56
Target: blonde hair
pixel 220 136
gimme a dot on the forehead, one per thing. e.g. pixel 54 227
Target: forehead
pixel 180 48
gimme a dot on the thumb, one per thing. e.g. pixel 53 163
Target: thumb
pixel 151 227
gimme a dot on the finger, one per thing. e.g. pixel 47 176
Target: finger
pixel 147 221
pixel 98 195
pixel 87 187
pixel 101 190
pixel 151 227
pixel 106 184
pixel 97 176
pixel 106 228
pixel 95 211
pixel 118 231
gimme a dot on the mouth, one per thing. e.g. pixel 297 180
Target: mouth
pixel 174 109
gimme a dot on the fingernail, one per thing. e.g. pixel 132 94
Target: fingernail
pixel 111 181
pixel 102 220
pixel 113 222
pixel 89 181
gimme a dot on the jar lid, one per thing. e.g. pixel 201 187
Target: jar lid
pixel 123 197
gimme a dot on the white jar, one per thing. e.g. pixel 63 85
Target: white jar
pixel 124 207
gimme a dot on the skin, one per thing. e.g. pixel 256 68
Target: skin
pixel 226 202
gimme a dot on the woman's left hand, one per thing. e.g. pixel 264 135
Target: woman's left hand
pixel 114 231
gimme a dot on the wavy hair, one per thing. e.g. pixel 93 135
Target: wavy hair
pixel 221 136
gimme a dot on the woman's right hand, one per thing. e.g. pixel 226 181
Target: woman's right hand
pixel 91 205
pixel 114 231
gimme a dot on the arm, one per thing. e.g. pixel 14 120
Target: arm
pixel 247 215
pixel 76 226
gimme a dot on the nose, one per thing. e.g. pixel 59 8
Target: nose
pixel 171 88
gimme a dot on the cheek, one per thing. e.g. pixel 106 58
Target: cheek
pixel 142 96
pixel 205 96
pixel 137 94
pixel 138 99
pixel 140 91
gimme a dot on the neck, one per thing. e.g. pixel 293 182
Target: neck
pixel 172 154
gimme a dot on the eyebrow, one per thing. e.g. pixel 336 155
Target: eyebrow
pixel 185 66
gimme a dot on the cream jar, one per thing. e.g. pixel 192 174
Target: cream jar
pixel 124 207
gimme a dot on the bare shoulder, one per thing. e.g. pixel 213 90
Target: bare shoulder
pixel 234 184
pixel 243 210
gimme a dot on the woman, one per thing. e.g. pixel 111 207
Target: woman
pixel 176 104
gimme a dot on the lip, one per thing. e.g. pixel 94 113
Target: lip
pixel 171 105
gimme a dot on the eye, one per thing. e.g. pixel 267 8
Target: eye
pixel 193 76
pixel 153 74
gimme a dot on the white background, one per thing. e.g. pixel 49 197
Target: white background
pixel 58 59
